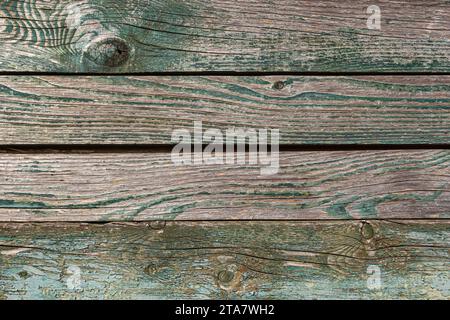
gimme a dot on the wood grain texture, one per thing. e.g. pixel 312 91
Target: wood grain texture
pixel 148 186
pixel 146 110
pixel 226 260
pixel 223 35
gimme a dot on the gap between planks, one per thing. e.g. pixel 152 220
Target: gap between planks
pixel 223 74
pixel 77 149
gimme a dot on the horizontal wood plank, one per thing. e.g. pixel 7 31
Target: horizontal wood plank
pixel 223 35
pixel 146 110
pixel 226 260
pixel 148 186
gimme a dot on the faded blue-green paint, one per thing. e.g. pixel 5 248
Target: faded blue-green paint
pixel 225 260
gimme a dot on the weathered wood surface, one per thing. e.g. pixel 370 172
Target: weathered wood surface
pixel 223 35
pixel 253 260
pixel 146 110
pixel 148 186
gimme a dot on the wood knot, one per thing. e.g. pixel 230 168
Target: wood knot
pixel 24 274
pixel 110 51
pixel 278 85
pixel 367 231
pixel 157 225
pixel 156 265
pixel 230 278
pixel 151 269
pixel 225 276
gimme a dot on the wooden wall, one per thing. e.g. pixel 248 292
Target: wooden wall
pixel 92 207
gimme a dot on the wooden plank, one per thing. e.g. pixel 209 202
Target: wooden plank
pixel 226 260
pixel 146 110
pixel 148 186
pixel 223 35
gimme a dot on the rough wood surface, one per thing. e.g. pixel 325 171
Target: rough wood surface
pixel 253 260
pixel 146 110
pixel 141 186
pixel 222 35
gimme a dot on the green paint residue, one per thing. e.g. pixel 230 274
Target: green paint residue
pixel 27 194
pixel 148 205
pixel 22 204
pixel 175 211
pixel 339 209
pixel 368 208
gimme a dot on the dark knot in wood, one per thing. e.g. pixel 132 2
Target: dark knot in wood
pixel 111 52
pixel 225 276
pixel 157 224
pixel 367 231
pixel 279 85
